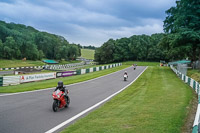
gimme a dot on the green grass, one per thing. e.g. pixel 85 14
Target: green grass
pixel 157 102
pixel 69 62
pixel 19 63
pixel 140 63
pixel 53 82
pixel 87 53
pixel 194 73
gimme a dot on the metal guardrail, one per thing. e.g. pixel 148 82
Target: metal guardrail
pixel 46 66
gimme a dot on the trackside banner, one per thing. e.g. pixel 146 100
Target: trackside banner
pixel 36 77
pixel 65 74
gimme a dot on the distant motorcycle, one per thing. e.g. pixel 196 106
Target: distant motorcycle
pixel 125 77
pixel 60 100
pixel 134 66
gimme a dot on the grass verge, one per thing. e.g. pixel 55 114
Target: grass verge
pixel 19 63
pixel 87 53
pixel 158 102
pixel 141 63
pixel 194 73
pixel 69 62
pixel 53 82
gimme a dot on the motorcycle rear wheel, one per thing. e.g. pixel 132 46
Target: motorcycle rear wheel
pixel 55 106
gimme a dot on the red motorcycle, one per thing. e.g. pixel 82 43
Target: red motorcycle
pixel 60 100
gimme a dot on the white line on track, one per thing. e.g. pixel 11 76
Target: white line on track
pixel 10 94
pixel 92 107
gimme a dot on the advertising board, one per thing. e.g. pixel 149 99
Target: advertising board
pixel 65 74
pixel 36 77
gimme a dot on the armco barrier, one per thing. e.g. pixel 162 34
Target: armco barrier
pixel 11 80
pixel 47 66
pixel 56 67
pixel 93 69
pixel 196 86
pixel 12 68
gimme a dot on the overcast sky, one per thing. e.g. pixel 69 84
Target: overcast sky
pixel 88 22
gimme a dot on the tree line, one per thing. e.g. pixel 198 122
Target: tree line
pixel 18 41
pixel 181 39
pixel 136 47
pixel 89 47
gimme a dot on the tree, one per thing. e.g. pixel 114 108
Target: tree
pixel 10 46
pixel 73 51
pixel 20 41
pixel 1 49
pixel 30 51
pixel 7 52
pixel 183 21
pixel 41 55
pixel 105 54
pixel 121 50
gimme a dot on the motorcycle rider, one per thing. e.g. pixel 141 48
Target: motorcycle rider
pixel 61 87
pixel 135 66
pixel 125 73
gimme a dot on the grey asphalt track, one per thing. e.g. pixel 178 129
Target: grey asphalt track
pixel 6 72
pixel 32 112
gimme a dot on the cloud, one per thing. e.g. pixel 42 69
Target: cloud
pixel 82 36
pixel 88 22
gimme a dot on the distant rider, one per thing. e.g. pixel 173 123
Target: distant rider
pixel 134 66
pixel 125 73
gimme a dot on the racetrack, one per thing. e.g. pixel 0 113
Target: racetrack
pixel 6 72
pixel 32 112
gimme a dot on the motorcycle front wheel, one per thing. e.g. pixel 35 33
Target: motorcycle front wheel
pixel 55 106
pixel 67 101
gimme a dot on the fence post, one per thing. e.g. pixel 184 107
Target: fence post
pixel 91 70
pixel 78 72
pixel 198 85
pixel 87 70
pixel 184 78
pixel 100 68
pixel 1 81
pixel 188 81
pixel 194 85
pixel 83 71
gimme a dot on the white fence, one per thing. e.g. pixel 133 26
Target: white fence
pixel 196 86
pixel 93 69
